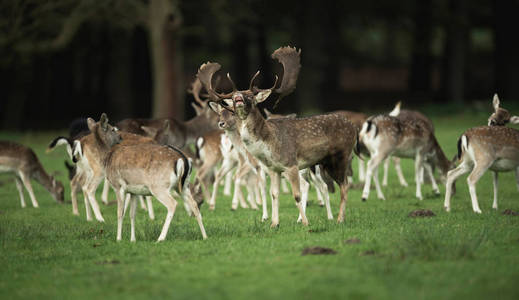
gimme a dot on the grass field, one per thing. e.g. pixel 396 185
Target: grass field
pixel 48 253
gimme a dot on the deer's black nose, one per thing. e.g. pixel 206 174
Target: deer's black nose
pixel 221 124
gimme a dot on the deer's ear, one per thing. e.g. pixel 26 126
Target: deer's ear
pixel 104 121
pixel 91 124
pixel 217 108
pixel 495 102
pixel 150 131
pixel 166 125
pixel 514 120
pixel 262 96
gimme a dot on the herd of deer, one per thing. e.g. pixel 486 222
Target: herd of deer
pixel 144 158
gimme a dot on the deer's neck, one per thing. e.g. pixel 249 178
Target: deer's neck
pixel 254 128
pixel 43 178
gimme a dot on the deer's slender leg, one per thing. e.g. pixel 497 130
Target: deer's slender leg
pixel 142 203
pixel 292 175
pixel 228 184
pixel 274 193
pixel 418 166
pixel 170 203
pixel 494 181
pixel 88 209
pixel 262 189
pixel 127 201
pixel 478 171
pixel 452 175
pixel 323 187
pixel 399 172
pixel 151 213
pixel 104 195
pixel 188 197
pixel 227 166
pixel 27 183
pixel 133 209
pixel 20 190
pixel 362 170
pixel 120 195
pixel 380 195
pixel 344 186
pixel 304 187
pixel 428 168
pixel 91 188
pixel 386 168
pixel 74 189
pixel 373 163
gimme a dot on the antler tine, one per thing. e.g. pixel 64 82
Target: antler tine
pixel 252 80
pixel 205 75
pixel 290 58
pixel 234 89
pixel 196 87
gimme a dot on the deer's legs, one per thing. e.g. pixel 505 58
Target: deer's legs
pixel 74 189
pixel 228 184
pixel 188 197
pixel 418 166
pixel 322 188
pixel 452 175
pixel 386 168
pixel 399 172
pixel 142 204
pixel 238 196
pixel 373 163
pixel 494 181
pixel 104 195
pixel 293 176
pixel 274 193
pixel 304 187
pixel 380 195
pixel 133 209
pixel 20 190
pixel 262 190
pixel 151 213
pixel 227 166
pixel 88 209
pixel 428 168
pixel 478 171
pixel 344 186
pixel 170 203
pixel 362 172
pixel 120 195
pixel 90 190
pixel 27 183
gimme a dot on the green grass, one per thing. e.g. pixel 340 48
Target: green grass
pixel 48 253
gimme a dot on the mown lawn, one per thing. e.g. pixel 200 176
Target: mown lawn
pixel 48 253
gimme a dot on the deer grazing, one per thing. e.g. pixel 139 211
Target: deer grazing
pixel 493 147
pixel 24 164
pixel 411 137
pixel 286 145
pixel 147 169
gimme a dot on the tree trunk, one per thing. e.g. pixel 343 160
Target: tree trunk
pixel 163 23
pixel 455 52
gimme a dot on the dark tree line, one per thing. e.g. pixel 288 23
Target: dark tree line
pixel 135 58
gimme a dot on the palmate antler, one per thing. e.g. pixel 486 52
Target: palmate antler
pixel 290 59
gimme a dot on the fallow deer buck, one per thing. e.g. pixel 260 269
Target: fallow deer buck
pixel 141 169
pixel 24 164
pixel 385 135
pixel 493 147
pixel 287 145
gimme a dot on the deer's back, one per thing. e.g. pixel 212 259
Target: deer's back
pixel 500 141
pixel 15 156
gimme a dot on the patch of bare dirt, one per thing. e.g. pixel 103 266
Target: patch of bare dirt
pixel 510 212
pixel 318 251
pixel 352 241
pixel 421 213
pixel 108 262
